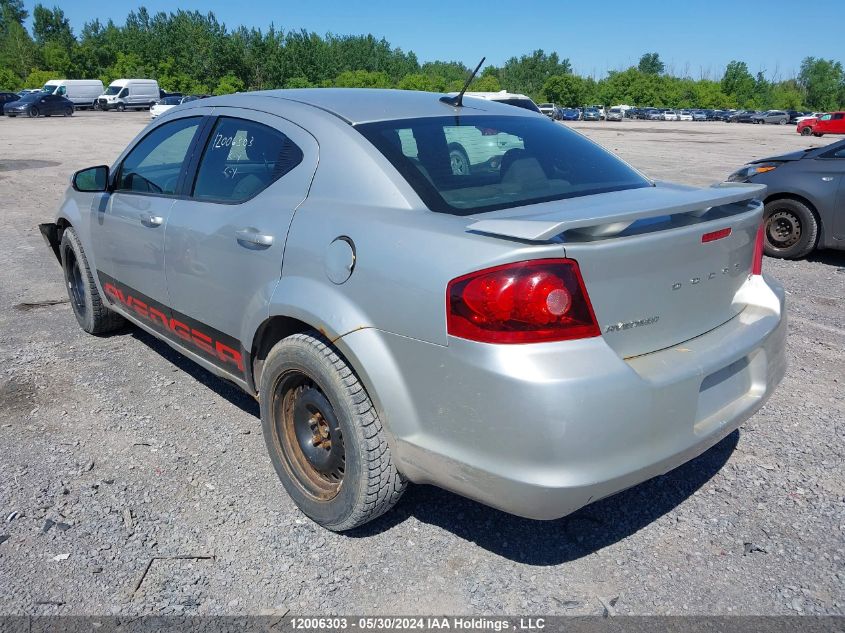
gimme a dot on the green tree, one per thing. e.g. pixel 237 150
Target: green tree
pixel 38 78
pixel 738 83
pixel 12 11
pixel 298 82
pixel 362 79
pixel 822 81
pixel 228 84
pixel 650 64
pixel 9 80
pixel 529 73
pixel 417 81
pixel 566 90
pixel 51 25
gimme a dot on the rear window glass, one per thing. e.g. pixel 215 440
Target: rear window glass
pixel 241 159
pixel 470 164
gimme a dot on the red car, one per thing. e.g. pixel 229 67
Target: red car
pixel 831 123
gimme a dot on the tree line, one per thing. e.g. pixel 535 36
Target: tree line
pixel 192 52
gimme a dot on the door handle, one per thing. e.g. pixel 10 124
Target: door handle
pixel 250 238
pixel 151 220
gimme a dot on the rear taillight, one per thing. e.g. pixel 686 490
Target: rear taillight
pixel 524 302
pixel 757 261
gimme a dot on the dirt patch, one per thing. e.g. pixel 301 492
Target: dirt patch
pixel 18 394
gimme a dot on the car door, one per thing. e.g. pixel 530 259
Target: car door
pixel 837 123
pixel 128 225
pixel 224 244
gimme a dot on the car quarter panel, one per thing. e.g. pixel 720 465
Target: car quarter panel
pixel 540 430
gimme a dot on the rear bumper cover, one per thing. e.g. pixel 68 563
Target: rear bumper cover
pixel 542 430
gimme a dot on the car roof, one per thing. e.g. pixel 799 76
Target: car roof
pixel 363 105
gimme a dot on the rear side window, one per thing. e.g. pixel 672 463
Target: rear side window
pixel 155 164
pixel 469 164
pixel 241 159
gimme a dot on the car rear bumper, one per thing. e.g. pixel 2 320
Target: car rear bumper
pixel 542 430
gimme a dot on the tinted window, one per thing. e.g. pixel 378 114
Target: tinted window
pixel 521 103
pixel 464 165
pixel 155 164
pixel 241 159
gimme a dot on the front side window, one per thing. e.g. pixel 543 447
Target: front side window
pixel 112 90
pixel 155 164
pixel 471 164
pixel 241 159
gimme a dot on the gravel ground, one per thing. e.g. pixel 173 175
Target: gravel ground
pixel 132 481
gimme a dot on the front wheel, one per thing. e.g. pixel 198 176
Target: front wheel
pixel 68 111
pixel 818 134
pixel 324 435
pixel 805 131
pixel 91 313
pixel 791 229
pixel 33 112
pixel 783 121
pixel 120 107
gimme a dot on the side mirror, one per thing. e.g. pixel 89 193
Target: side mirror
pixel 91 180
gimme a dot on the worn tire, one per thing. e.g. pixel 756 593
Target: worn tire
pixel 370 484
pixel 459 160
pixel 88 307
pixel 790 213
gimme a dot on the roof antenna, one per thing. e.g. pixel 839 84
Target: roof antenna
pixel 458 101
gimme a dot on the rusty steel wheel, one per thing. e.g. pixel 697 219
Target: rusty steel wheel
pixel 310 436
pixel 324 436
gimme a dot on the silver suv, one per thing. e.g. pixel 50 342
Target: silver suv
pixel 537 331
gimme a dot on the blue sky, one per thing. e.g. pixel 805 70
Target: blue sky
pixel 694 37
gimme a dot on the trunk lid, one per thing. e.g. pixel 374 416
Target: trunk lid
pixel 652 276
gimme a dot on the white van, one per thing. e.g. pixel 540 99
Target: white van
pixel 123 94
pixel 83 92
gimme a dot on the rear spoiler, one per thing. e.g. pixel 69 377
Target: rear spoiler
pixel 608 214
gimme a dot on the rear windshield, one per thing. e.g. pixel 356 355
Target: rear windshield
pixel 470 164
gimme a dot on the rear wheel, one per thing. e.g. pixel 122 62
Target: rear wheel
pixel 88 307
pixel 791 229
pixel 818 134
pixel 459 160
pixel 324 436
pixel 68 111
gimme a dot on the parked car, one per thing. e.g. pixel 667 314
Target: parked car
pixel 814 115
pixel 794 115
pixel 591 114
pixel 27 91
pixel 743 116
pixel 509 98
pixel 830 123
pixel 163 105
pixel 615 114
pixel 685 115
pixel 601 110
pixel 655 115
pixel 82 93
pixel 36 104
pixel 571 114
pixel 778 117
pixel 670 115
pixel 719 115
pixel 518 367
pixel 805 199
pixel 7 97
pixel 700 115
pixel 124 94
pixel 548 109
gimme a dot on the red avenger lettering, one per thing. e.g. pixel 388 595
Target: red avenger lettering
pixel 140 307
pixel 203 341
pixel 228 355
pixel 157 317
pixel 180 329
pixel 199 339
